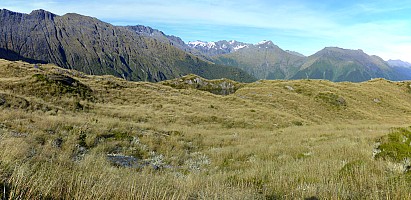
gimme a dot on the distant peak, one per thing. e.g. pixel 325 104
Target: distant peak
pixel 201 44
pixel 5 10
pixel 141 29
pixel 197 42
pixel 218 47
pixel 398 63
pixel 5 13
pixel 333 48
pixel 342 50
pixel 398 60
pixel 265 42
pixel 43 14
pixel 339 48
pixel 72 14
pixel 295 53
pixel 40 11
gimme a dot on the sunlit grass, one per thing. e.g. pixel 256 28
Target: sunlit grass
pixel 265 141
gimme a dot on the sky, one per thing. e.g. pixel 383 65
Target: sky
pixel 378 27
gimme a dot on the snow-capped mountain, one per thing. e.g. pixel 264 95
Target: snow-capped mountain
pixel 264 60
pixel 199 43
pixel 217 48
pixel 264 42
pixel 225 47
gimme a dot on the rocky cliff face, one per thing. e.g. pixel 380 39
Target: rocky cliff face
pixel 167 39
pixel 86 44
pixel 160 36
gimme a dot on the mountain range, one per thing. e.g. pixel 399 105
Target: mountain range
pixel 265 60
pixel 141 53
pixel 347 65
pixel 89 45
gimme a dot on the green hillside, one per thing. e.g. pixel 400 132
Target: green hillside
pixel 94 47
pixel 264 61
pixel 338 64
pixel 268 61
pixel 68 135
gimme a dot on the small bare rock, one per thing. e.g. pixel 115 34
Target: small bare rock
pixel 376 100
pixel 18 134
pixel 289 88
pixel 57 142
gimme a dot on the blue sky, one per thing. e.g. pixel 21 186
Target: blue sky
pixel 378 27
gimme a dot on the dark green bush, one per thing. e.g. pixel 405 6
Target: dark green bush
pixel 396 145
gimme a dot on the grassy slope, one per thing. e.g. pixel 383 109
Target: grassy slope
pixel 270 139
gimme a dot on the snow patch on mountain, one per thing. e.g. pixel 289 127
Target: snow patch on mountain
pixel 263 42
pixel 236 48
pixel 199 43
pixel 196 43
pixel 220 47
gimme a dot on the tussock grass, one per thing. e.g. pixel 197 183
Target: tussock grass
pixel 268 140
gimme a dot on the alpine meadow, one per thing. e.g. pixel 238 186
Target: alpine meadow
pixel 73 136
pixel 91 110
